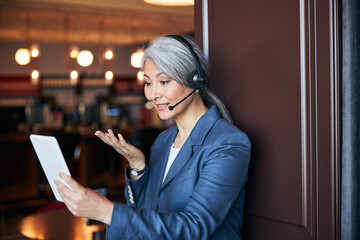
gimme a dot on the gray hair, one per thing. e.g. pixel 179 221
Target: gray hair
pixel 175 60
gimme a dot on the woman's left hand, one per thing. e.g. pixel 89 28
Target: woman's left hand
pixel 134 155
pixel 84 202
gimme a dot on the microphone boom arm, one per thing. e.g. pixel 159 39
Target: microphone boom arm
pixel 172 107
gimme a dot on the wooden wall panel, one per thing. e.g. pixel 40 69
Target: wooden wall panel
pixel 273 63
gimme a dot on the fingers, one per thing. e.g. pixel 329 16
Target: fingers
pixel 110 138
pixel 120 145
pixel 124 146
pixel 72 198
pixel 66 194
pixel 113 137
pixel 122 140
pixel 104 137
pixel 70 181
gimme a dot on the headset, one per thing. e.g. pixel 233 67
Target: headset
pixel 197 79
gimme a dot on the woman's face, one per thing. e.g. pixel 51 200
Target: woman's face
pixel 162 91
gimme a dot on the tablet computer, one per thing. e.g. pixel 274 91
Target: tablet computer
pixel 51 159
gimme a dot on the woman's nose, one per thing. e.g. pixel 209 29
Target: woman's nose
pixel 155 93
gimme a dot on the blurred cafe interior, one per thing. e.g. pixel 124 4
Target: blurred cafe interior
pixel 68 68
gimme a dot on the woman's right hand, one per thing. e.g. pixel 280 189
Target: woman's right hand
pixel 134 155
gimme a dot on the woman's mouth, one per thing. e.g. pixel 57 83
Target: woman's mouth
pixel 162 107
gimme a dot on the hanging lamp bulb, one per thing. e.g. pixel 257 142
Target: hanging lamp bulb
pixel 109 77
pixel 85 58
pixel 74 77
pixel 35 76
pixel 140 76
pixel 22 56
pixel 35 51
pixel 136 58
pixel 74 52
pixel 109 54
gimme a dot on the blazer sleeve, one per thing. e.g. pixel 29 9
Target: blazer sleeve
pixel 223 174
pixel 135 190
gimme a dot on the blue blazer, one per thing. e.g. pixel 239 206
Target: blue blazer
pixel 202 196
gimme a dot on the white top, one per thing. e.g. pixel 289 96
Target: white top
pixel 173 153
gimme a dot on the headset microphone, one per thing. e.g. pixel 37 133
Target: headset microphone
pixel 172 107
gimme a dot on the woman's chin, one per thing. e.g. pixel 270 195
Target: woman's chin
pixel 165 115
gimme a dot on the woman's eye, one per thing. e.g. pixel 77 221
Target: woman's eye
pixel 147 84
pixel 164 82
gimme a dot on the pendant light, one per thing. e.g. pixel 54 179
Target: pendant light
pixel 34 51
pixel 74 77
pixel 85 58
pixel 22 56
pixel 35 76
pixel 136 58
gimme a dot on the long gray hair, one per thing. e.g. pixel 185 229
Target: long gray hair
pixel 175 60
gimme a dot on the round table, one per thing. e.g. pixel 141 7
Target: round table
pixel 59 224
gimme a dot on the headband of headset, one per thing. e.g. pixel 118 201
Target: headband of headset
pixel 197 79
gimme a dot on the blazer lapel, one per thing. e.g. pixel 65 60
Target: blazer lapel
pixel 196 137
pixel 158 163
pixel 179 162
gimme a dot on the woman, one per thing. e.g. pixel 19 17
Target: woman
pixel 194 185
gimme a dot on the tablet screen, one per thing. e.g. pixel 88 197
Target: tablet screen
pixel 51 159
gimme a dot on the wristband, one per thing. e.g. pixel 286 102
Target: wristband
pixel 137 173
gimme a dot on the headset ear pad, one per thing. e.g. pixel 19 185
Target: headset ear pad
pixel 196 81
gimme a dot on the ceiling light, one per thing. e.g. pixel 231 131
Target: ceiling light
pixel 140 76
pixel 74 76
pixel 22 56
pixel 109 76
pixel 109 54
pixel 136 58
pixel 174 3
pixel 85 58
pixel 35 75
pixel 74 52
pixel 34 50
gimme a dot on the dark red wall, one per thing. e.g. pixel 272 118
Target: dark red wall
pixel 274 63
